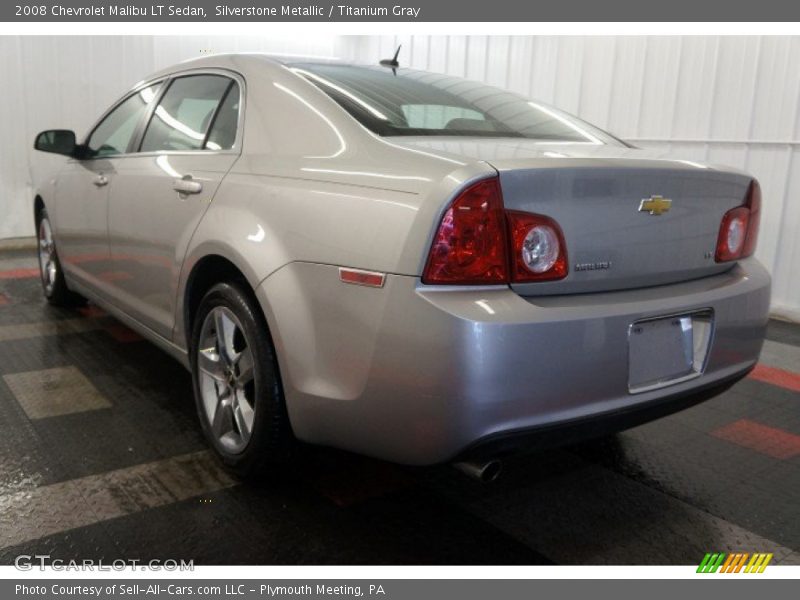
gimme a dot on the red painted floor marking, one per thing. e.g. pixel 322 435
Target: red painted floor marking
pixel 779 377
pixel 122 334
pixel 19 274
pixel 92 310
pixel 761 438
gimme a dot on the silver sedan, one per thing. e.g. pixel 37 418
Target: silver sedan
pixel 399 263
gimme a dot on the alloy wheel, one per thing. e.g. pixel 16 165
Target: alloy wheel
pixel 226 379
pixel 47 256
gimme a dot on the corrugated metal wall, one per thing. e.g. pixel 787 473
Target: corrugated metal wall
pixel 729 100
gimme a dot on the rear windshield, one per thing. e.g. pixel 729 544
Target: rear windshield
pixel 410 102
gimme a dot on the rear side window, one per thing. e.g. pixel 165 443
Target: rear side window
pixel 223 130
pixel 185 113
pixel 114 133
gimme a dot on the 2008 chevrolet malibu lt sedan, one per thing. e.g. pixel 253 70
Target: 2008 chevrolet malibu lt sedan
pixel 399 263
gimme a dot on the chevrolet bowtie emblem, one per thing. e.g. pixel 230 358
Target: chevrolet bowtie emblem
pixel 655 205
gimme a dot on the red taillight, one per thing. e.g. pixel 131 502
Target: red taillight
pixel 473 247
pixel 738 232
pixel 469 247
pixel 538 250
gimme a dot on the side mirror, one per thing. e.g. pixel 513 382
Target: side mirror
pixel 57 141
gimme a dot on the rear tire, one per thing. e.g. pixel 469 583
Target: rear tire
pixel 54 286
pixel 237 385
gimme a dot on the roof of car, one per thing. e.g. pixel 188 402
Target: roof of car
pixel 241 60
pixel 283 59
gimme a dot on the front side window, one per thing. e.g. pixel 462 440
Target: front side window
pixel 412 103
pixel 185 113
pixel 114 134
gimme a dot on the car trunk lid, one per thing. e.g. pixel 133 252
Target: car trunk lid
pixel 595 192
pixel 626 225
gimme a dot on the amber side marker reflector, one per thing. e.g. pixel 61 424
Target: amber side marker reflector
pixel 358 277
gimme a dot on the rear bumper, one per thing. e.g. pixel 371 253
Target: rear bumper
pixel 420 375
pixel 553 435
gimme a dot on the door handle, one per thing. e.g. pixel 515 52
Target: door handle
pixel 186 185
pixel 100 180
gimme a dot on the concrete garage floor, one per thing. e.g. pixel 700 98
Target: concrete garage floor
pixel 101 457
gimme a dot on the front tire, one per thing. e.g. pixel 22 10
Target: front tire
pixel 237 385
pixel 53 284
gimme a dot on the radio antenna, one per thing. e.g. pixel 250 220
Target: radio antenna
pixel 392 62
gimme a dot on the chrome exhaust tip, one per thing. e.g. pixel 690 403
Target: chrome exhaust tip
pixel 483 471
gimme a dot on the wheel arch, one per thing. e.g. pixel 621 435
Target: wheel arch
pixel 206 272
pixel 205 269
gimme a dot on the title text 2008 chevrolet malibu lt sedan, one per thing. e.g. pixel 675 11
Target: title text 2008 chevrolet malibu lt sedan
pixel 398 263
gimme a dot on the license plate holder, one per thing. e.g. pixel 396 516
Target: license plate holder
pixel 667 350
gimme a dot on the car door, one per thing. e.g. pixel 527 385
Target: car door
pixel 160 194
pixel 83 188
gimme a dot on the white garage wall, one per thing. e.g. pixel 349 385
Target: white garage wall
pixel 727 100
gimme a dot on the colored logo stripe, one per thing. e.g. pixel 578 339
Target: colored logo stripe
pixel 737 566
pixel 726 564
pixel 711 562
pixel 758 563
pixel 735 562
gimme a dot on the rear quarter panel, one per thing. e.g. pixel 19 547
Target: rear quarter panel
pixel 261 223
pixel 314 186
